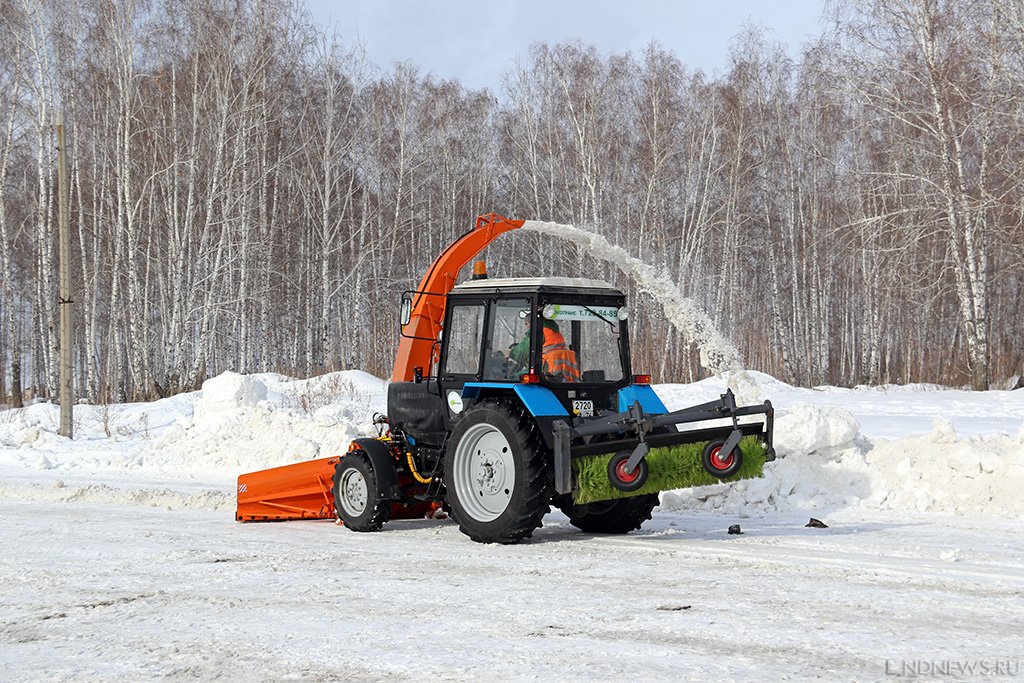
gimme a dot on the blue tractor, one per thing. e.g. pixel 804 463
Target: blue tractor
pixel 510 396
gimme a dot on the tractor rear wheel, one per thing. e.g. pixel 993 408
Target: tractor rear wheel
pixel 496 475
pixel 357 497
pixel 618 516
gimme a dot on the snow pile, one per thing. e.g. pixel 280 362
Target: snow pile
pixel 825 463
pixel 942 472
pixel 237 423
pixel 36 427
pixel 228 392
pixel 717 353
pixel 807 428
pixel 241 424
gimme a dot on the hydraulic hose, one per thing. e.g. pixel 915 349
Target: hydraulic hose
pixel 412 468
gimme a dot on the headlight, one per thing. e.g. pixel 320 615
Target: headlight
pixel 549 312
pixel 623 313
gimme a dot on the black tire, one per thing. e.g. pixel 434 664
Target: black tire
pixel 718 465
pixel 618 516
pixel 375 510
pixel 496 474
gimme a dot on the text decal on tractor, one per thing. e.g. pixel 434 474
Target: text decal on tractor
pixel 509 396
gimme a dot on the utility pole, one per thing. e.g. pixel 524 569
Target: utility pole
pixel 67 389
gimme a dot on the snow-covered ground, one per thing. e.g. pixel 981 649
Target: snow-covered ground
pixel 122 559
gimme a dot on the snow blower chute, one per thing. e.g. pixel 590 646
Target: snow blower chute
pixel 509 396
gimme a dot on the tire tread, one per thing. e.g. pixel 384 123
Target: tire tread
pixel 529 516
pixel 379 511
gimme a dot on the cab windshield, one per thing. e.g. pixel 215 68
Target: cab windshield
pixel 580 343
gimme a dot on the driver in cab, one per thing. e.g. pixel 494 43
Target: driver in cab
pixel 559 361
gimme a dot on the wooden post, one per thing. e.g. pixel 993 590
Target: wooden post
pixel 67 389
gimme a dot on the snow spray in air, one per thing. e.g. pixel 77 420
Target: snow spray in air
pixel 717 353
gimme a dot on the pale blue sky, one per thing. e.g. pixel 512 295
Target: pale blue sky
pixel 477 41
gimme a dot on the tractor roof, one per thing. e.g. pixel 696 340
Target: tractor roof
pixel 534 284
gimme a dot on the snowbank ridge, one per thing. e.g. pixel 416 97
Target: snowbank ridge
pixel 825 463
pixel 838 447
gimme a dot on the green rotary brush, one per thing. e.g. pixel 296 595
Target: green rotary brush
pixel 672 467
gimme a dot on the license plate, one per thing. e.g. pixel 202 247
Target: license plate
pixel 583 408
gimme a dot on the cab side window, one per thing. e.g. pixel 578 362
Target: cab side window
pixel 465 339
pixel 508 344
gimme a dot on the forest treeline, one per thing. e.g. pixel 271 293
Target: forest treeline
pixel 248 193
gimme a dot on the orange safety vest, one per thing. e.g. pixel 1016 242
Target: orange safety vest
pixel 559 360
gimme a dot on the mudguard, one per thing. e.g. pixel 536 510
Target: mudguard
pixel 383 465
pixel 541 402
pixel 643 393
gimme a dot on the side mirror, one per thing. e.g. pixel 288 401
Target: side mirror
pixel 406 313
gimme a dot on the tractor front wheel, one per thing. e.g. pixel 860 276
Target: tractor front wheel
pixel 496 475
pixel 611 516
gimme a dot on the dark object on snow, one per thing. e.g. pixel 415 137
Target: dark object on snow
pixel 816 523
pixel 735 529
pixel 1019 384
pixel 672 608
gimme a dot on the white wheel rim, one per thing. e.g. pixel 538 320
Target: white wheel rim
pixel 353 491
pixel 483 472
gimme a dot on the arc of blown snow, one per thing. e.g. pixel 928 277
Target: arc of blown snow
pixel 717 353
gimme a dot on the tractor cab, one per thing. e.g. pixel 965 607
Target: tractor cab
pixel 567 335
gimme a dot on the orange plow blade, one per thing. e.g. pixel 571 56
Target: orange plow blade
pixel 299 491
